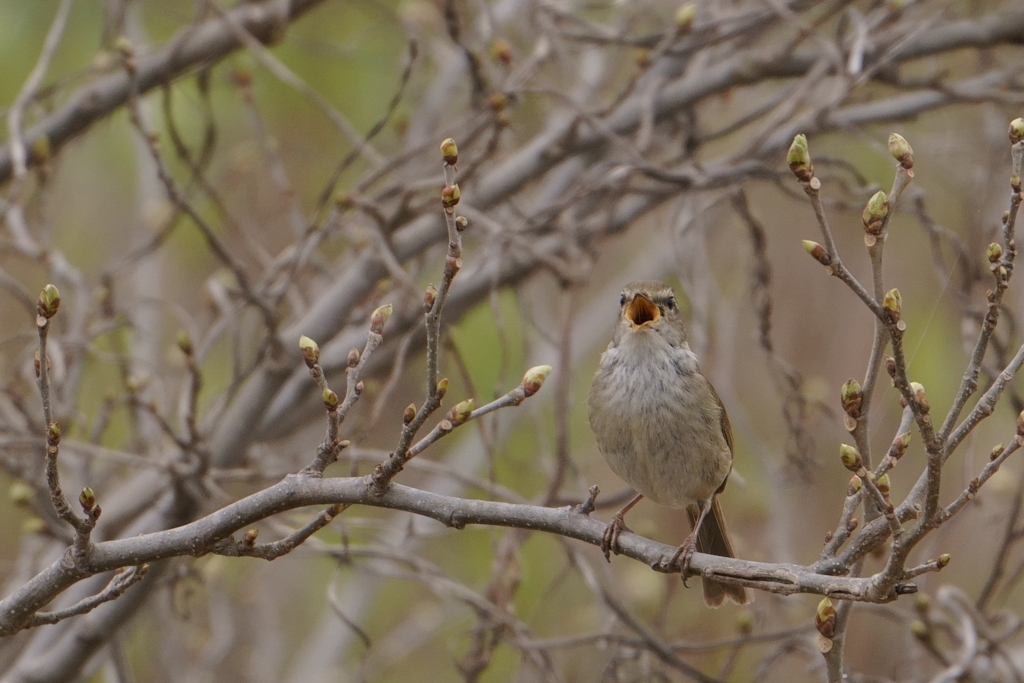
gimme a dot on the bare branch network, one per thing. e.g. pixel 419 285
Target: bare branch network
pixel 169 387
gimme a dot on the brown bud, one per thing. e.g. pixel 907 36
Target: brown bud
pixel 497 101
pixel 310 351
pixel 450 197
pixel 461 222
pixel 501 51
pixel 330 399
pixel 851 458
pixel 900 445
pixel 410 413
pixel 380 317
pixel 49 302
pixel 461 412
pixel 851 525
pixel 997 450
pixel 901 151
pixel 53 434
pixel 534 378
pixel 851 397
pixel 429 297
pixel 799 158
pixel 249 539
pixel 450 152
pixel 442 387
pixel 874 213
pixel 817 252
pixel 883 484
pixel 87 499
pixel 1016 130
pixel 825 618
pixel 353 358
pixel 854 486
pixel 890 366
pixel 359 387
pixel 943 560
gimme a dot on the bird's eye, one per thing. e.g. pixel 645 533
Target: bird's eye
pixel 671 303
pixel 622 299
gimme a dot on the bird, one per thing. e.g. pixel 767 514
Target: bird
pixel 662 428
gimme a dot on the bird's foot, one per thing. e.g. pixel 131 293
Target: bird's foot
pixel 610 538
pixel 682 556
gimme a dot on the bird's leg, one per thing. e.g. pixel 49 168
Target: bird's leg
pixel 686 550
pixel 610 539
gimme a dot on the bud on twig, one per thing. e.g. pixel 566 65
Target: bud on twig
pixel 353 358
pixel 919 394
pixel 501 51
pixel 429 297
pixel 883 484
pixel 997 451
pixel 310 351
pixel 893 304
pixel 901 151
pixel 1016 130
pixel 410 413
pixel 851 397
pixel 799 158
pixel 900 444
pixel 379 317
pixel 890 366
pixel 49 302
pixel 854 486
pixel 817 252
pixel 330 399
pixel 684 17
pixel 994 253
pixel 450 197
pixel 461 222
pixel 825 618
pixel 87 499
pixel 185 343
pixel 249 539
pixel 943 561
pixel 53 434
pixel 442 387
pixel 851 458
pixel 534 378
pixel 875 212
pixel 450 152
pixel 460 413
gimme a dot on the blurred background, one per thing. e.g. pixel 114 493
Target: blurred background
pixel 245 195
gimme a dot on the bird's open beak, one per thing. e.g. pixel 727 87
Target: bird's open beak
pixel 641 311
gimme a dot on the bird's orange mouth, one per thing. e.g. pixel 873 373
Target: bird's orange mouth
pixel 641 311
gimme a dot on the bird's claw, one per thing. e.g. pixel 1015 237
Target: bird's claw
pixel 610 538
pixel 683 555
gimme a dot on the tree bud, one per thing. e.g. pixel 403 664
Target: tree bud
pixel 893 303
pixel 379 317
pixel 450 197
pixel 900 444
pixel 429 297
pixel 825 618
pixel 410 413
pixel 854 486
pixel 87 499
pixel 684 17
pixel 1016 130
pixel 901 151
pixel 883 484
pixel 943 560
pixel 249 539
pixel 851 397
pixel 918 390
pixel 461 222
pixel 49 302
pixel 353 358
pixel 185 343
pixel 799 158
pixel 460 413
pixel 534 378
pixel 53 434
pixel 442 387
pixel 997 451
pixel 310 351
pixel 851 458
pixel 330 399
pixel 450 152
pixel 875 212
pixel 817 252
pixel 500 51
pixel 994 253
